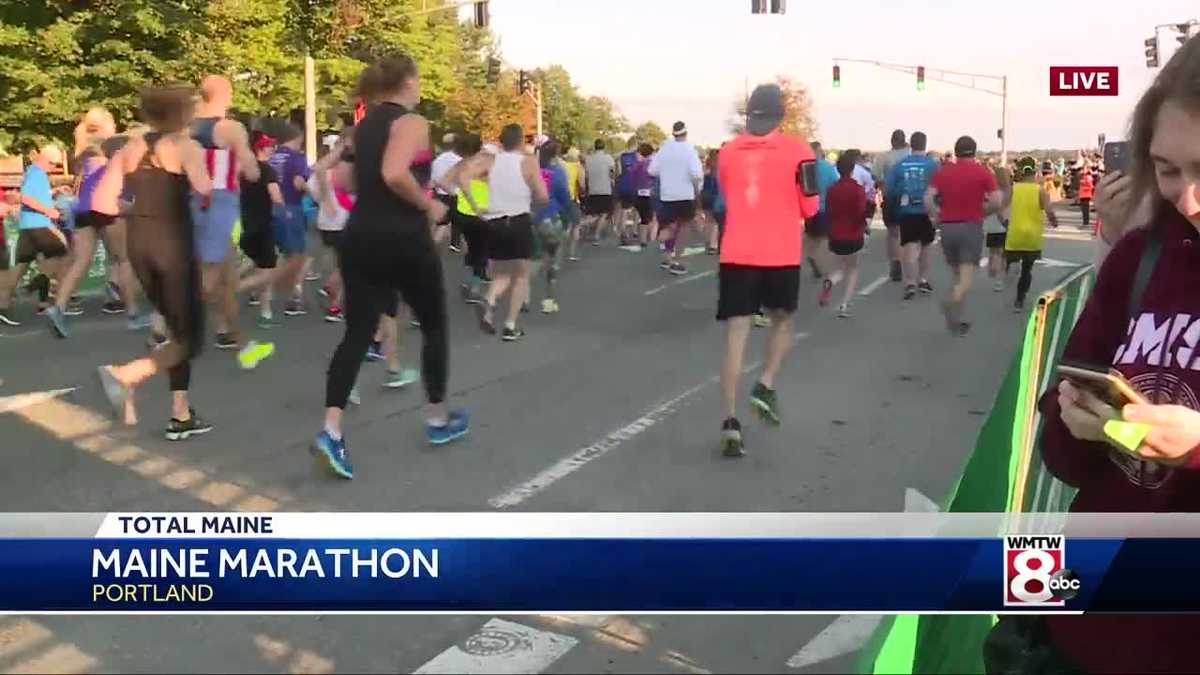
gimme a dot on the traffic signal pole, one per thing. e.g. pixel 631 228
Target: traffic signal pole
pixel 957 79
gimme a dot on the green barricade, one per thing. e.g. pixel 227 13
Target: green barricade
pixel 1003 474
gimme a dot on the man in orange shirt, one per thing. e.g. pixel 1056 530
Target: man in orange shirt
pixel 770 188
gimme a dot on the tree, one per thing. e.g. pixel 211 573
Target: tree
pixel 650 132
pixel 797 105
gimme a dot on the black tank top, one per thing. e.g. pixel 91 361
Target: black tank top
pixel 159 196
pixel 378 210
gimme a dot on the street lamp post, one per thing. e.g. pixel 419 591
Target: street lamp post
pixel 954 78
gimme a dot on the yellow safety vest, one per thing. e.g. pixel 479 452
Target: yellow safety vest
pixel 479 192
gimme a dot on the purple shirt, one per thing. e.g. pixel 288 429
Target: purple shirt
pixel 288 164
pixel 643 182
pixel 93 171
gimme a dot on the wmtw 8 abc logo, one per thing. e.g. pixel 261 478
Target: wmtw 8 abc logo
pixel 1035 572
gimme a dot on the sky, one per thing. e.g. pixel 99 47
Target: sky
pixel 668 60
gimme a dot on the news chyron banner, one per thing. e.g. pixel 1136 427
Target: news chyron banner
pixel 603 562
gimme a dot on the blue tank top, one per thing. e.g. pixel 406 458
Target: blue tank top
pixel 629 160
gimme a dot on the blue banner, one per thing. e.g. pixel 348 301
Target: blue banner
pixel 598 575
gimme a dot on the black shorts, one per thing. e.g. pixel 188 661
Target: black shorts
pixel 818 225
pixel 598 205
pixel 333 238
pixel 1011 257
pixel 845 246
pixel 744 290
pixel 645 209
pixel 510 238
pixel 996 239
pixel 627 201
pixel 891 213
pixel 93 219
pixel 259 247
pixel 450 202
pixel 40 241
pixel 677 213
pixel 3 257
pixel 916 228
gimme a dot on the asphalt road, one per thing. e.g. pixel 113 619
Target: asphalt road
pixel 873 405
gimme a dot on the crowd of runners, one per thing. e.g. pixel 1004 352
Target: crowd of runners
pixel 201 213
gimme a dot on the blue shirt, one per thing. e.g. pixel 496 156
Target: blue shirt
pixel 908 180
pixel 560 194
pixel 288 164
pixel 827 175
pixel 36 184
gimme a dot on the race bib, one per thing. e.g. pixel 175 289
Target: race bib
pixel 903 200
pixel 643 193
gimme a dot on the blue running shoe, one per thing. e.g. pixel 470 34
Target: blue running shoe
pixel 334 453
pixel 58 321
pixel 457 426
pixel 375 352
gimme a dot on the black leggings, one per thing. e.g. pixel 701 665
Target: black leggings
pixel 167 270
pixel 373 273
pixel 475 231
pixel 1085 208
pixel 1027 259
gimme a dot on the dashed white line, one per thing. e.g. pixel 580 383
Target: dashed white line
pixel 684 280
pixel 18 401
pixel 873 286
pixel 584 456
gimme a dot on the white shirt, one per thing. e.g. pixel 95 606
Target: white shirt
pixel 863 177
pixel 508 193
pixel 442 166
pixel 677 166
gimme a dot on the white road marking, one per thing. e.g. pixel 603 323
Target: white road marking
pixel 584 456
pixel 632 248
pixel 693 250
pixel 1052 262
pixel 849 632
pixel 502 647
pixel 18 401
pixel 684 280
pixel 874 286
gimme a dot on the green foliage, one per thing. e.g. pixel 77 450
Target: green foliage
pixel 650 132
pixel 60 57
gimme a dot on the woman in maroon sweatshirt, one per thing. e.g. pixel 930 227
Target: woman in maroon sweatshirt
pixel 1156 345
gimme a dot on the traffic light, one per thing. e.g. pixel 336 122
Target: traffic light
pixel 1000 133
pixel 758 6
pixel 482 15
pixel 778 6
pixel 1152 52
pixel 493 70
pixel 523 83
pixel 1184 32
pixel 762 6
pixel 837 76
pixel 920 78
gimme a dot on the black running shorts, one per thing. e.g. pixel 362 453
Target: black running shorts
pixel 744 290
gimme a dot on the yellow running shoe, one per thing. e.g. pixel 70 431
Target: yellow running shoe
pixel 254 353
pixel 549 306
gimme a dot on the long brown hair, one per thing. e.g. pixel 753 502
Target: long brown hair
pixel 1179 82
pixel 168 108
pixel 385 76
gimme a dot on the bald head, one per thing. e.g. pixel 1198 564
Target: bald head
pixel 216 91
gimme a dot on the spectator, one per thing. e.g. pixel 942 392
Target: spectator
pixel 1149 283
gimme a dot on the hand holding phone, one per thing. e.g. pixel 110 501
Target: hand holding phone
pixel 1117 156
pixel 1107 385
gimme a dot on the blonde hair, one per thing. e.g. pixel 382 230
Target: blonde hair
pixel 96 126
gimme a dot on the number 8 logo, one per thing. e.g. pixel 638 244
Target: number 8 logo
pixel 1025 574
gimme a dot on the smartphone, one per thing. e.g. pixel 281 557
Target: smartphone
pixel 1108 385
pixel 806 175
pixel 1116 156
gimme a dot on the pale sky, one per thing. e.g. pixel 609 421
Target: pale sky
pixel 638 53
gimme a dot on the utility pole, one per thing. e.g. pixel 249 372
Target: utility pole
pixel 310 108
pixel 954 78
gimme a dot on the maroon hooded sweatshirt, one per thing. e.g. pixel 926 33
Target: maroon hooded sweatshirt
pixel 1159 352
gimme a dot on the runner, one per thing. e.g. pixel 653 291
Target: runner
pixel 708 199
pixel 88 226
pixel 847 205
pixel 291 226
pixel 1087 188
pixel 599 172
pixel 333 210
pixel 469 223
pixel 227 156
pixel 388 247
pixel 677 167
pixel 1029 202
pixel 960 194
pixel 259 198
pixel 550 218
pixel 760 250
pixel 159 171
pixel 39 237
pixel 643 187
pixel 995 229
pixel 907 182
pixel 442 165
pixel 891 215
pixel 514 185
pixel 816 229
pixel 627 192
